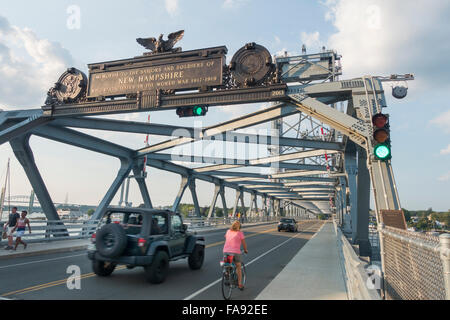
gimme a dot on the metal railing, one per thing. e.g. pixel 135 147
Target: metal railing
pixel 374 239
pixel 217 222
pixel 360 281
pixel 49 230
pixel 416 266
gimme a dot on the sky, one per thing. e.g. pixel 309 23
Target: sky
pixel 40 39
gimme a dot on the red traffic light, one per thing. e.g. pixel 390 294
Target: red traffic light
pixel 379 120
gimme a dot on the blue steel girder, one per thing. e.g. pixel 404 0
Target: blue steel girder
pixel 189 132
pixel 22 150
pixel 21 127
pixel 82 140
pixel 232 162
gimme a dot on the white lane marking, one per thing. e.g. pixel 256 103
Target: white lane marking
pixel 37 261
pixel 247 264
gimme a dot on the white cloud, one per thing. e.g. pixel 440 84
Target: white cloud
pixel 233 3
pixel 311 41
pixel 29 66
pixel 443 121
pixel 277 40
pixel 171 7
pixel 445 177
pixel 283 52
pixel 382 37
pixel 446 150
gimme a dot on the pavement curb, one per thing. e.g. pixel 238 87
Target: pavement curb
pixel 41 252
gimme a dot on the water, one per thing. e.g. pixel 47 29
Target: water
pixel 34 215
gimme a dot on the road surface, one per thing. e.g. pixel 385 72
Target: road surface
pixel 45 276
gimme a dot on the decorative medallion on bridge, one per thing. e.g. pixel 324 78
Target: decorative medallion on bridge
pixel 71 87
pixel 251 65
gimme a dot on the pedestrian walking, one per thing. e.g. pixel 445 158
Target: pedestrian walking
pixel 9 226
pixel 22 222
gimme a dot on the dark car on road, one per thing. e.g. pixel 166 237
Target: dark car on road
pixel 287 225
pixel 143 237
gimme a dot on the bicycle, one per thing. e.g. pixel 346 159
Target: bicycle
pixel 230 277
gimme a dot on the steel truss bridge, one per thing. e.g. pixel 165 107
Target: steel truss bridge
pixel 321 154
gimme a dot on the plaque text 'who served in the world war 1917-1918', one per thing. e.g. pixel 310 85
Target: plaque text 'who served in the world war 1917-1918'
pixel 182 75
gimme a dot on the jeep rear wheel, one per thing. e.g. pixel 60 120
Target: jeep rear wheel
pixel 157 271
pixel 196 258
pixel 111 240
pixel 102 268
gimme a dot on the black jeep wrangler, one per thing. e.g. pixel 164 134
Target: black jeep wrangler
pixel 143 237
pixel 288 225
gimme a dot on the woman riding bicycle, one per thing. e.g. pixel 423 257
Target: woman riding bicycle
pixel 234 238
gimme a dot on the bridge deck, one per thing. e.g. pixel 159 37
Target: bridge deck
pixel 315 272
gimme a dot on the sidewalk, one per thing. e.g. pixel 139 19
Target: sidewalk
pixel 315 272
pixel 38 248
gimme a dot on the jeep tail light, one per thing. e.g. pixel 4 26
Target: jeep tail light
pixel 141 242
pixel 93 237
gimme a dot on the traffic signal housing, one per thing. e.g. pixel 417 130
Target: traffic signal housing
pixel 194 111
pixel 381 137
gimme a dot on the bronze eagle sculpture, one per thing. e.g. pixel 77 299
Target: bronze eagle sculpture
pixel 159 45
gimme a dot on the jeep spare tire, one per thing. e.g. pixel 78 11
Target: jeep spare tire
pixel 111 240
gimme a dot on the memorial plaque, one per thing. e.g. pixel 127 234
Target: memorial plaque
pixel 167 78
pixel 393 218
pixel 179 75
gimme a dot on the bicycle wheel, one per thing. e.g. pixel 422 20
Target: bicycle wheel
pixel 244 274
pixel 227 287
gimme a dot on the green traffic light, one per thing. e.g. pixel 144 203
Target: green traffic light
pixel 198 111
pixel 382 151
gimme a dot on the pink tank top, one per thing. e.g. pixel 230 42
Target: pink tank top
pixel 233 241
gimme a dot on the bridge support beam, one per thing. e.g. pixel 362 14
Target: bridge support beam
pixel 187 181
pixel 346 218
pixel 239 198
pixel 271 207
pixel 362 226
pixel 277 208
pixel 264 206
pixel 253 209
pixel 351 167
pixel 183 186
pixel 337 201
pixel 218 190
pixel 22 151
pixel 212 207
pixel 138 173
pixel 192 187
pixel 125 169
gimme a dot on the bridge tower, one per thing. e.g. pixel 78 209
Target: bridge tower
pixel 305 70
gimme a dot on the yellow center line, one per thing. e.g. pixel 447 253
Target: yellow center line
pixel 249 236
pixel 52 284
pixel 91 274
